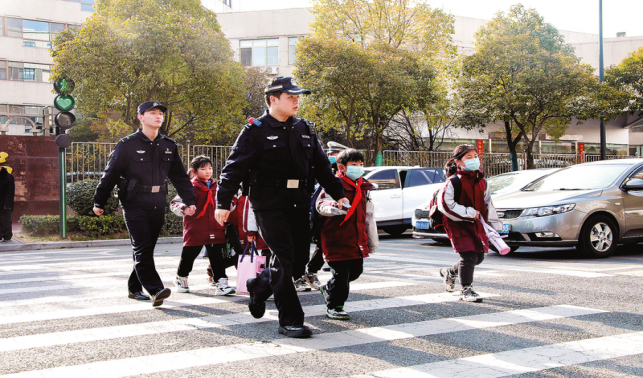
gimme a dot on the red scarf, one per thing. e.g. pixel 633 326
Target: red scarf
pixel 208 201
pixel 358 194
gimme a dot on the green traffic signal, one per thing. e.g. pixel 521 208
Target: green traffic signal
pixel 64 86
pixel 64 103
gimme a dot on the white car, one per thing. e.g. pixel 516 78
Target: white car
pixel 400 190
pixel 500 184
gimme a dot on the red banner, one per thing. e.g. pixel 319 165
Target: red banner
pixel 581 148
pixel 480 146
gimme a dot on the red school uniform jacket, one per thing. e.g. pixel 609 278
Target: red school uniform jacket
pixel 201 228
pixel 347 240
pixel 466 234
pixel 243 217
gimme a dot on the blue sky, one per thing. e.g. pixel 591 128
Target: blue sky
pixel 573 15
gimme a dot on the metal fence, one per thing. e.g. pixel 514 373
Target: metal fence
pixel 88 159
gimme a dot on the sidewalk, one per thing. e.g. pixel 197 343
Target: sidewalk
pixel 14 245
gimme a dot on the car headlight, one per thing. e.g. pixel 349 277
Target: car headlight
pixel 548 210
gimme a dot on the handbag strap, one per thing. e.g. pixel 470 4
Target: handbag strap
pixel 243 256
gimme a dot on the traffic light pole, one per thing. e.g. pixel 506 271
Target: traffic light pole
pixel 62 183
pixel 600 77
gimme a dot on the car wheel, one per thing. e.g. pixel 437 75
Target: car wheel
pixel 395 230
pixel 598 237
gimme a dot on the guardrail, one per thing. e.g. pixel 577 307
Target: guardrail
pixel 88 159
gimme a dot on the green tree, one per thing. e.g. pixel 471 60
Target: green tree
pixel 524 75
pixel 627 77
pixel 365 61
pixel 172 51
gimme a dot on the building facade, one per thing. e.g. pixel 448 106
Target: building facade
pixel 27 28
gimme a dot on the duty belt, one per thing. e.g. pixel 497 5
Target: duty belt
pixel 285 183
pixel 152 189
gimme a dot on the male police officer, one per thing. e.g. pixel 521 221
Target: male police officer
pixel 279 157
pixel 139 164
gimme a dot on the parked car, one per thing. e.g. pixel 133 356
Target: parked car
pixel 499 184
pixel 592 206
pixel 399 191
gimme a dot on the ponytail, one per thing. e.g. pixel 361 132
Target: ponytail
pixel 450 168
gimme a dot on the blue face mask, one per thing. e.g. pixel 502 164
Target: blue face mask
pixel 333 159
pixel 472 164
pixel 354 172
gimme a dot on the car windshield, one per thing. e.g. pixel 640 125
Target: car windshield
pixel 579 177
pixel 513 181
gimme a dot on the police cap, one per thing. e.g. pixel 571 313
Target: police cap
pixel 284 84
pixel 149 105
pixel 335 147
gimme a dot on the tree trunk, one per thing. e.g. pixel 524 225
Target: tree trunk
pixel 530 154
pixel 511 143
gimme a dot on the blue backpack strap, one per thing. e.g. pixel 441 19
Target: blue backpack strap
pixel 244 253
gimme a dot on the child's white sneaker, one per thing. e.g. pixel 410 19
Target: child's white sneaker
pixel 223 288
pixel 181 284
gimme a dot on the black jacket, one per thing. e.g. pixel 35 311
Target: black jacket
pixel 136 157
pixel 7 189
pixel 274 152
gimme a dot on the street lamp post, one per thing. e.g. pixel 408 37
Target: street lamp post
pixel 600 74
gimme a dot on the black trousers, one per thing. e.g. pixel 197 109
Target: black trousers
pixel 144 227
pixel 5 224
pixel 466 265
pixel 215 255
pixel 287 233
pixel 338 286
pixel 317 260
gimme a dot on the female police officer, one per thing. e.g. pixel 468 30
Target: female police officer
pixel 279 157
pixel 139 164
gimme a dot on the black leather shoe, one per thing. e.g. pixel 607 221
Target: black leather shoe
pixel 139 296
pixel 157 299
pixel 256 309
pixel 299 332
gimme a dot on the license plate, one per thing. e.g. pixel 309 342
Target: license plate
pixel 506 228
pixel 422 225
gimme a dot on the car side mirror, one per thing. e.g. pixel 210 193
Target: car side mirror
pixel 633 185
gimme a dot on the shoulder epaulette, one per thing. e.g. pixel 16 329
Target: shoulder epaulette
pixel 168 138
pixel 128 138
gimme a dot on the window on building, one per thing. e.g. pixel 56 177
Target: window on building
pixel 29 72
pixel 292 43
pixel 3 70
pixel 35 30
pixel 260 52
pixel 227 2
pixel 14 27
pixel 1 25
pixel 54 29
pixel 16 71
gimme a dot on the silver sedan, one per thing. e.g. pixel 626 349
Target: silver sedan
pixel 592 206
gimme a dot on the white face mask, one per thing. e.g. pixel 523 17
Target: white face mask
pixel 472 164
pixel 354 172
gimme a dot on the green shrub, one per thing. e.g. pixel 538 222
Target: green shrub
pixel 91 226
pixel 173 225
pixel 80 197
pixel 100 226
pixel 40 224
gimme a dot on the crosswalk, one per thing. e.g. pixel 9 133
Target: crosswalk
pixel 65 314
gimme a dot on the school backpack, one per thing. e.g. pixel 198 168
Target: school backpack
pixel 436 218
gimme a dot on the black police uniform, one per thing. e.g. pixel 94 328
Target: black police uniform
pixel 280 162
pixel 140 166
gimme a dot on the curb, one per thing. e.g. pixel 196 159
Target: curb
pixel 15 247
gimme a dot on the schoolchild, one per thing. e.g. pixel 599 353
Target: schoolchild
pixel 309 279
pixel 348 235
pixel 201 229
pixel 463 201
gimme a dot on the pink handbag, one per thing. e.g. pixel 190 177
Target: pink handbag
pixel 249 268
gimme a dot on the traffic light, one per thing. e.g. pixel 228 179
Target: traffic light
pixel 64 102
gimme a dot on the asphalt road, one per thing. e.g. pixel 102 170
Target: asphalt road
pixel 546 313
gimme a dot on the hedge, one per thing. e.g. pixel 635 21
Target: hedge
pixel 92 226
pixel 80 197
